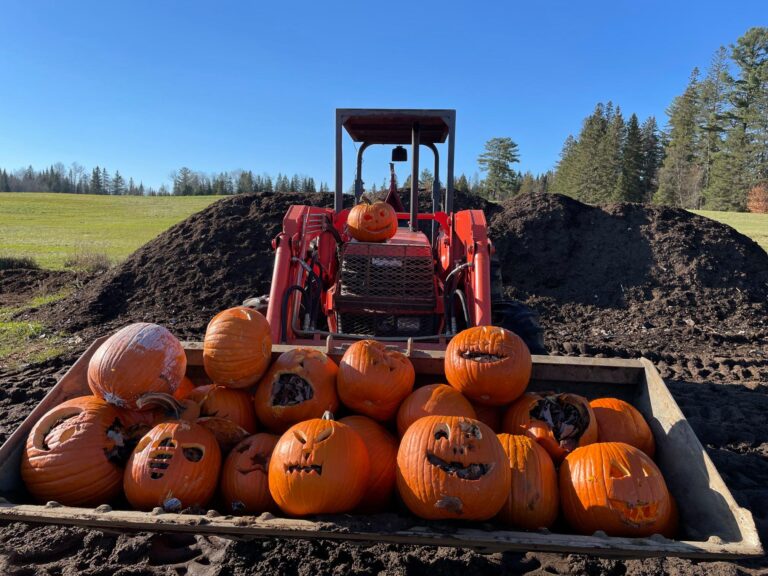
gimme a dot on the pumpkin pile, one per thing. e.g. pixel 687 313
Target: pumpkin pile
pixel 255 435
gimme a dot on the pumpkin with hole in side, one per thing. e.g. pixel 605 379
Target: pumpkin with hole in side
pixel 432 400
pixel 619 421
pixel 376 222
pixel 244 485
pixel 229 403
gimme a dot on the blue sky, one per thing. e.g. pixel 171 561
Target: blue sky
pixel 148 87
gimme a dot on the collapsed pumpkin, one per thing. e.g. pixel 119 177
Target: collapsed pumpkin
pixel 619 421
pixel 244 485
pixel 375 222
pixel 432 400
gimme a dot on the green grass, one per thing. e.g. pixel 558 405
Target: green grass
pixel 54 228
pixel 753 225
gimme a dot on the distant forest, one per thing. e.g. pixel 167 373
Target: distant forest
pixel 712 154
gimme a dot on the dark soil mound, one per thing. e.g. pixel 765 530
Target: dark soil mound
pixel 19 284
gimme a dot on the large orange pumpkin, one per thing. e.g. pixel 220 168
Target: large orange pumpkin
pixel 73 454
pixel 432 400
pixel 244 485
pixel 373 379
pixel 452 467
pixel 382 454
pixel 237 347
pixel 489 365
pixel 559 422
pixel 616 488
pixel 375 222
pixel 619 421
pixel 136 359
pixel 222 402
pixel 533 500
pixel 175 465
pixel 319 466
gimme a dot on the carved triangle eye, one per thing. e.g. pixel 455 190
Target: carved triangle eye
pixel 618 470
pixel 323 435
pixel 300 436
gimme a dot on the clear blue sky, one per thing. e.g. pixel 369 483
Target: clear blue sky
pixel 147 87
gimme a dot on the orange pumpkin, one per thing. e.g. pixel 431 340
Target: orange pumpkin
pixel 533 500
pixel 489 415
pixel 227 433
pixel 559 422
pixel 300 385
pixel 319 466
pixel 452 467
pixel 228 403
pixel 185 387
pixel 375 222
pixel 175 465
pixel 237 347
pixel 432 400
pixel 137 359
pixel 489 365
pixel 619 421
pixel 244 485
pixel 614 487
pixel 74 454
pixel 373 380
pixel 382 454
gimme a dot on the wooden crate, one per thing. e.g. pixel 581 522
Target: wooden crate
pixel 712 525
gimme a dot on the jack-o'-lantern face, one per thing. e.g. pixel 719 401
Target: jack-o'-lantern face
pixel 244 485
pixel 175 465
pixel 375 222
pixel 452 467
pixel 318 466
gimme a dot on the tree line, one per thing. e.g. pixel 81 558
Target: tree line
pixel 187 182
pixel 73 180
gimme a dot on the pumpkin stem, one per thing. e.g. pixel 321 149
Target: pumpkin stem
pixel 161 400
pixel 328 415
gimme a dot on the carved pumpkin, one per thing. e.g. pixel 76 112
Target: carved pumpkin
pixel 533 500
pixel 619 421
pixel 319 466
pixel 300 385
pixel 373 380
pixel 137 359
pixel 244 485
pixel 175 465
pixel 432 400
pixel 375 222
pixel 559 422
pixel 614 487
pixel 75 454
pixel 237 347
pixel 489 415
pixel 489 365
pixel 382 454
pixel 228 403
pixel 227 433
pixel 452 467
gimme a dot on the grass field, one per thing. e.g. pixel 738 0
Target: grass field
pixel 753 225
pixel 53 228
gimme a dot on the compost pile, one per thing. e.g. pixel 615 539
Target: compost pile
pixel 623 280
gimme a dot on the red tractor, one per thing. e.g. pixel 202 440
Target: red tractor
pixel 434 277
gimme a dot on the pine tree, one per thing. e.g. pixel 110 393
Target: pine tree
pixel 631 185
pixel 461 184
pixel 95 186
pixel 245 183
pixel 496 160
pixel 118 184
pixel 106 182
pixel 652 156
pixel 527 184
pixel 713 93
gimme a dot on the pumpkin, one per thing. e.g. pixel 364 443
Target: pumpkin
pixel 452 467
pixel 559 422
pixel 301 384
pixel 185 387
pixel 373 379
pixel 375 222
pixel 136 359
pixel 533 500
pixel 489 415
pixel 75 454
pixel 227 433
pixel 488 364
pixel 175 465
pixel 244 486
pixel 222 402
pixel 619 421
pixel 616 488
pixel 432 400
pixel 237 347
pixel 382 454
pixel 319 466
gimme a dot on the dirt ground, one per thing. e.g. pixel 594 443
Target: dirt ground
pixel 622 281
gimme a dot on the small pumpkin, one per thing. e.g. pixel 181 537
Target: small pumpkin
pixel 616 488
pixel 373 379
pixel 319 466
pixel 244 485
pixel 376 222
pixel 175 465
pixel 382 454
pixel 237 347
pixel 432 400
pixel 452 467
pixel 488 364
pixel 135 360
pixel 229 403
pixel 301 384
pixel 533 500
pixel 559 422
pixel 619 421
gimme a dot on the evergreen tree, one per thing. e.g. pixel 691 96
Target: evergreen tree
pixel 652 155
pixel 630 183
pixel 118 184
pixel 497 160
pixel 461 184
pixel 106 182
pixel 95 186
pixel 713 93
pixel 527 184
pixel 245 183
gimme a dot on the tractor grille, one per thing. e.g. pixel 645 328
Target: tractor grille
pixel 382 325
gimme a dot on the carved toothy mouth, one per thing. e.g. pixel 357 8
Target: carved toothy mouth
pixel 309 469
pixel 291 389
pixel 481 357
pixel 465 472
pixel 638 514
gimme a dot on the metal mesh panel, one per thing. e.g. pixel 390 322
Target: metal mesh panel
pixel 388 324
